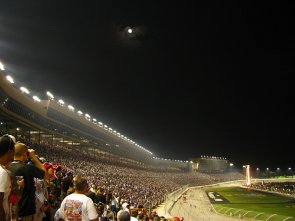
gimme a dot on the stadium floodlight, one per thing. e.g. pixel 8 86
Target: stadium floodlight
pixel 80 112
pixel 71 108
pixel 231 164
pixel 267 169
pixel 10 79
pixel 100 123
pixel 278 168
pixel 35 98
pixel 94 120
pixel 50 95
pixel 289 168
pixel 87 115
pixel 257 169
pixel 106 126
pixel 2 66
pixel 61 102
pixel 110 129
pixel 24 90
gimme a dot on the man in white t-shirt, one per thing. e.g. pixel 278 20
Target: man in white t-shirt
pixel 78 206
pixel 6 155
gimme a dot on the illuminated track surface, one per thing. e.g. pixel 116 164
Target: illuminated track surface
pixel 197 207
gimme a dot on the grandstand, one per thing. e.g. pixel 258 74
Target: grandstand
pixel 49 118
pixel 51 121
pixel 207 164
pixel 109 159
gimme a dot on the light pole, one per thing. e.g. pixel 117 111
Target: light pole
pixel 248 177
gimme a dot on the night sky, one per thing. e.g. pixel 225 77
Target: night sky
pixel 191 80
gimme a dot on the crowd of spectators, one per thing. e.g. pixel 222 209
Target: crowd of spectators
pixel 139 186
pixel 278 187
pixel 112 183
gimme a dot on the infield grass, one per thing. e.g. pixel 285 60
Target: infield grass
pixel 251 203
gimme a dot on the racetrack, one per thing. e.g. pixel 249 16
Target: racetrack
pixel 195 207
pixel 193 204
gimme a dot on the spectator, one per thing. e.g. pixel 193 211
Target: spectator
pixel 124 216
pixel 125 207
pixel 27 204
pixel 101 212
pixel 134 214
pixel 78 205
pixel 41 201
pixel 67 182
pixel 57 181
pixel 6 155
pixel 115 203
pixel 101 197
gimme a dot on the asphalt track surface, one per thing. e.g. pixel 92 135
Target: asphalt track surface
pixel 196 207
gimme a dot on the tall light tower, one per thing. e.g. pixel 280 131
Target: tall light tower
pixel 248 177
